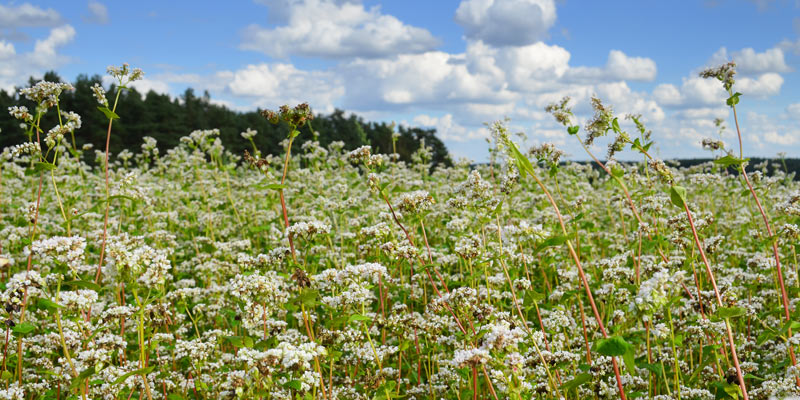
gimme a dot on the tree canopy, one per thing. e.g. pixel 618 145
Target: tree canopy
pixel 167 119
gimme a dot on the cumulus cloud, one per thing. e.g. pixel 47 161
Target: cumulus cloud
pixel 98 13
pixel 276 84
pixel 766 85
pixel 618 67
pixel 17 67
pixel 418 79
pixel 448 129
pixel 790 46
pixel 28 15
pixel 750 62
pixel 331 29
pixel 793 111
pixel 506 22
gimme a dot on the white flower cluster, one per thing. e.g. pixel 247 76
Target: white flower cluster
pixel 21 113
pixel 45 93
pixel 138 262
pixel 308 229
pixel 470 357
pixel 415 202
pixel 249 133
pixel 69 251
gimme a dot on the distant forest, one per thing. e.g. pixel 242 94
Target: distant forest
pixel 788 165
pixel 167 120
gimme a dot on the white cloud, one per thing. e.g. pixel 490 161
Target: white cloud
pixel 27 15
pixel 793 111
pixel 17 67
pixel 749 62
pixel 98 13
pixel 44 51
pixel 418 79
pixel 766 85
pixel 6 50
pixel 784 140
pixel 506 22
pixel 667 94
pixel 271 85
pixel 618 67
pixel 790 46
pixel 448 129
pixel 329 29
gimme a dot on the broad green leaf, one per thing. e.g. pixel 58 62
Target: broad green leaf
pixel 613 346
pixel 294 384
pixel 573 129
pixel 733 100
pixel 47 304
pixel 615 125
pixel 78 380
pixel 730 160
pixel 578 380
pixel 308 297
pixel 677 194
pixel 109 114
pixel 23 328
pixel 82 285
pixel 142 371
pixel 274 186
pixel 729 312
pixel 43 166
pixel 358 317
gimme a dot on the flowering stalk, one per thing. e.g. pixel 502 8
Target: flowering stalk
pixel 525 166
pixel 725 74
pixel 124 75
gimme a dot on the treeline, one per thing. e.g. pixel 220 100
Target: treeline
pixel 768 166
pixel 167 120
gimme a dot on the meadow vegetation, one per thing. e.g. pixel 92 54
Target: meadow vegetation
pixel 323 273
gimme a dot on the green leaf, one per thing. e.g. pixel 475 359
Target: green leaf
pixel 43 166
pixel 615 125
pixel 677 194
pixel 729 312
pixel 522 161
pixel 613 346
pixel 82 284
pixel 552 241
pixel 630 362
pixel 240 341
pixel 499 208
pixel 6 375
pixel 617 172
pixel 730 160
pixel 174 396
pixel 274 186
pixel 23 328
pixel 308 297
pixel 578 380
pixel 48 304
pixel 142 371
pixel 573 129
pixel 358 317
pixel 109 114
pixel 78 380
pixel 295 384
pixel 733 100
pixel 726 390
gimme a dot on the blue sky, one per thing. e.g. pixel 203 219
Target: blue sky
pixel 452 65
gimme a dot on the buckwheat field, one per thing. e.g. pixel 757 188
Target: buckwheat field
pixel 324 273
